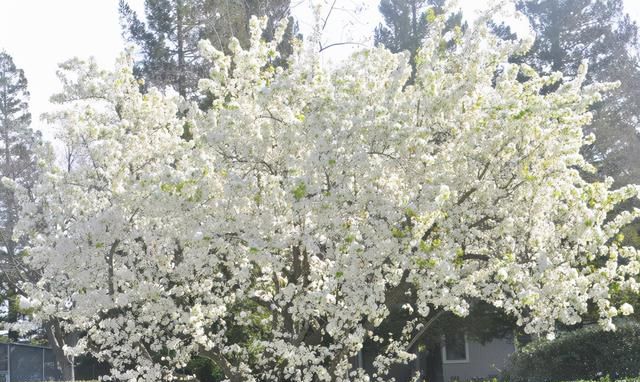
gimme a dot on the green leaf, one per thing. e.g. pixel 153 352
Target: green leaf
pixel 430 15
pixel 397 233
pixel 300 191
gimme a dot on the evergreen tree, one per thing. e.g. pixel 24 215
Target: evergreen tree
pixel 168 40
pixel 18 164
pixel 20 150
pixel 600 32
pixel 19 145
pixel 406 24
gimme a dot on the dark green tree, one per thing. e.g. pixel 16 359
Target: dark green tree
pixel 602 34
pixel 18 164
pixel 21 148
pixel 168 40
pixel 406 23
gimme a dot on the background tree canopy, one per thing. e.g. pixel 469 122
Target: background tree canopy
pixel 168 37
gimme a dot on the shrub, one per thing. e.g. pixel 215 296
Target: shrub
pixel 587 353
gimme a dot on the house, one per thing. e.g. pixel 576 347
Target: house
pixel 463 359
pixel 453 357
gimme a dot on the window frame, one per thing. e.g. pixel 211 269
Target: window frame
pixel 443 349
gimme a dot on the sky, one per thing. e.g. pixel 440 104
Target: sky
pixel 39 34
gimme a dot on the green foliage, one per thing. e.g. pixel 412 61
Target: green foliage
pixel 13 313
pixel 168 37
pixel 204 370
pixel 631 236
pixel 607 378
pixel 20 146
pixel 586 353
pixel 300 191
pixel 620 296
pixel 406 23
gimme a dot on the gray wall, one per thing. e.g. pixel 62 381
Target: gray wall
pixel 484 361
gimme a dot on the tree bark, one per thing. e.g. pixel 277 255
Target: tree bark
pixel 180 38
pixel 57 340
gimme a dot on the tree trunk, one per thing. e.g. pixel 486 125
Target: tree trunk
pixel 180 38
pixel 57 340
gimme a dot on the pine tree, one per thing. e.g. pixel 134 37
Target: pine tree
pixel 168 40
pixel 601 33
pixel 18 147
pixel 18 140
pixel 406 24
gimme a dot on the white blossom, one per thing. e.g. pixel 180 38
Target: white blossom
pixel 626 309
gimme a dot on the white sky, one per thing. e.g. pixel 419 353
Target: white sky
pixel 39 34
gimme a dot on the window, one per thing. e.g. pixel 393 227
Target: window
pixel 455 348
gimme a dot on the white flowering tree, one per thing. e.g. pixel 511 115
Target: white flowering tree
pixel 309 200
